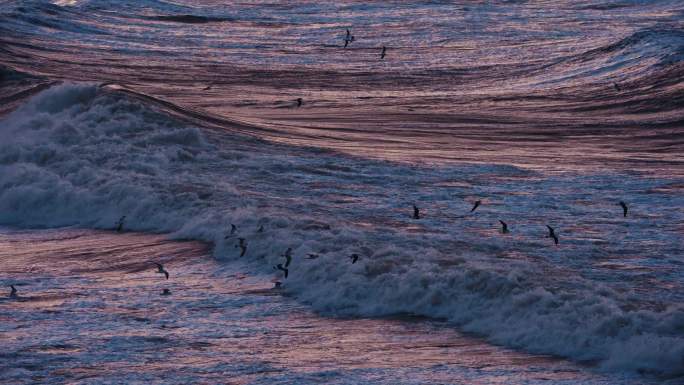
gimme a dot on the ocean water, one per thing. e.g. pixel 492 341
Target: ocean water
pixel 89 311
pixel 182 117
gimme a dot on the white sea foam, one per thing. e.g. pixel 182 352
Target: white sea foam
pixel 75 155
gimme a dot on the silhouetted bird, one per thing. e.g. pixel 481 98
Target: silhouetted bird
pixel 624 208
pixel 207 88
pixel 552 234
pixel 354 258
pixel 281 268
pixel 166 292
pixel 233 230
pixel 13 293
pixel 348 39
pixel 617 87
pixel 299 102
pixel 475 206
pixel 119 226
pixel 416 212
pixel 504 227
pixel 288 256
pixel 312 256
pixel 160 270
pixel 382 54
pixel 261 229
pixel 243 246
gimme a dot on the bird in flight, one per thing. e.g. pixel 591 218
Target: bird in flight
pixel 160 270
pixel 281 268
pixel 504 227
pixel 120 224
pixel 354 258
pixel 382 54
pixel 288 256
pixel 233 230
pixel 475 206
pixel 416 212
pixel 624 208
pixel 243 246
pixel 552 234
pixel 348 39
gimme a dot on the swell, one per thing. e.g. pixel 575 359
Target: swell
pixel 80 155
pixel 189 19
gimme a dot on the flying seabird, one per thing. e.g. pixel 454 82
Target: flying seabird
pixel 416 212
pixel 354 258
pixel 119 226
pixel 207 88
pixel 552 234
pixel 288 256
pixel 166 292
pixel 617 87
pixel 13 293
pixel 382 54
pixel 624 208
pixel 504 227
pixel 475 206
pixel 299 102
pixel 160 270
pixel 348 39
pixel 243 246
pixel 233 230
pixel 312 256
pixel 261 229
pixel 280 267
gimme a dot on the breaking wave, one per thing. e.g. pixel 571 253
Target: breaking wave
pixel 79 155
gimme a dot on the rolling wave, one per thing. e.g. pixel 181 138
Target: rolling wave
pixel 183 117
pixel 81 155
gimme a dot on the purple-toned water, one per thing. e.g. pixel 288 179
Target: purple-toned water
pixel 182 116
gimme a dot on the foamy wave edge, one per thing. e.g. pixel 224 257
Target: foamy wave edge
pixel 76 156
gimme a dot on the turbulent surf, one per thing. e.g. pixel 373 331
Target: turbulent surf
pixel 189 123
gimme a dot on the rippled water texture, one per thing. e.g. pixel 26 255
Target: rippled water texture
pixel 182 117
pixel 89 310
pixel 526 83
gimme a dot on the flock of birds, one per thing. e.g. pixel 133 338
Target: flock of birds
pixel 355 257
pixel 284 267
